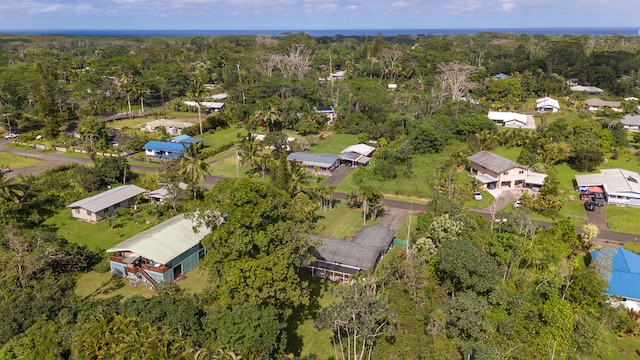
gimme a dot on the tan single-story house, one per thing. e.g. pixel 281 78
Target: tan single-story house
pixel 97 207
pixel 595 104
pixel 496 172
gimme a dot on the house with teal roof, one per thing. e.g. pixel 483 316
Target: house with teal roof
pixel 621 269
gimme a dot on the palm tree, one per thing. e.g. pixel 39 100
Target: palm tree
pixel 128 85
pixel 486 139
pixel 299 178
pixel 250 153
pixel 193 165
pixel 197 91
pixel 270 117
pixel 10 190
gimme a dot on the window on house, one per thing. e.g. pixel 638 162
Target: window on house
pixel 521 172
pixel 505 173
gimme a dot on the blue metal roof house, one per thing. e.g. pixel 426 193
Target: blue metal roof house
pixel 163 149
pixel 621 269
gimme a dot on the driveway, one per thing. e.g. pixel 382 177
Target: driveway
pixel 336 177
pixel 503 198
pixel 597 217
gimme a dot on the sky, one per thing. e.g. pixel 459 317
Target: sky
pixel 315 14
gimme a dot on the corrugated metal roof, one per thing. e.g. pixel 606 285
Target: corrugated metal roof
pixel 164 146
pixel 362 149
pixel 616 180
pixel 108 198
pixel 309 159
pixel 547 102
pixel 362 252
pixel 631 120
pixel 624 279
pixel 164 242
pixel 493 162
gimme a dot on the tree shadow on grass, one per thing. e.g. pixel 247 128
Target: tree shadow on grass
pixel 302 313
pixel 108 287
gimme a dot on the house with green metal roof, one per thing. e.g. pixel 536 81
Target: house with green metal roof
pixel 621 269
pixel 161 253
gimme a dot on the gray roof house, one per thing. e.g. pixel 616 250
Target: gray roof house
pixel 631 122
pixel 97 207
pixel 497 172
pixel 338 259
pixel 160 253
pixel 317 163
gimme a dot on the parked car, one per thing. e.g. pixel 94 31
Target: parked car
pixel 517 204
pixel 598 198
pixel 589 205
pixel 477 195
pixel 5 170
pixel 10 136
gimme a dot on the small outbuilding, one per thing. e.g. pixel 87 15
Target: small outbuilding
pixel 159 254
pixel 512 120
pixel 98 207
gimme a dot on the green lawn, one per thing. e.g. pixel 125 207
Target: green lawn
pixel 623 219
pixel 621 347
pixel 420 184
pixel 633 247
pixel 95 236
pixel 16 162
pixel 334 144
pixel 103 285
pixel 341 222
pixel 304 337
pixel 222 136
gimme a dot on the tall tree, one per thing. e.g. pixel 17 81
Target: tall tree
pixel 259 247
pixel 197 92
pixel 193 165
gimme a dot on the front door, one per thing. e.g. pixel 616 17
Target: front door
pixel 177 271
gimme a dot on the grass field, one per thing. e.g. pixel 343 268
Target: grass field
pixel 623 219
pixel 16 162
pixel 95 236
pixel 621 347
pixel 103 285
pixel 305 339
pixel 341 222
pixel 334 144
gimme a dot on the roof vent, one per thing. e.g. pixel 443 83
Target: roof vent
pixel 632 179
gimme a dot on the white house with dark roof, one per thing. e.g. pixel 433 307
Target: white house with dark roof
pixel 496 172
pixel 97 207
pixel 317 163
pixel 547 104
pixel 337 259
pixel 159 254
pixel 620 186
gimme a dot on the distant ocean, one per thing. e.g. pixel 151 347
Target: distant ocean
pixel 333 32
